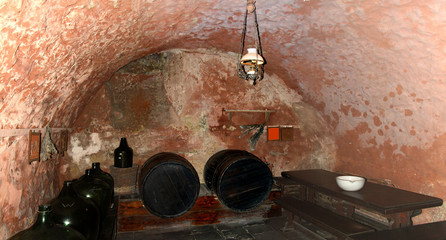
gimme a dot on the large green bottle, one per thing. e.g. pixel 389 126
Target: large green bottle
pixel 97 172
pixel 45 228
pixel 75 211
pixel 96 190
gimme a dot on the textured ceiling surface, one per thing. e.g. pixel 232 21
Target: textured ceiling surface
pixel 366 61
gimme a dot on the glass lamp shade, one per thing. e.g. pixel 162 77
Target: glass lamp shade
pixel 252 58
pixel 252 70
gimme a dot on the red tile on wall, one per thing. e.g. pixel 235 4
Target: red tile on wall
pixel 273 134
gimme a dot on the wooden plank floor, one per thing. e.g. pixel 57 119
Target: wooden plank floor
pixel 133 216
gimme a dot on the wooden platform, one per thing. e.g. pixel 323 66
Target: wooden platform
pixel 133 216
pixel 338 225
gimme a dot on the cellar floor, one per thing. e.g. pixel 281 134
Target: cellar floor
pixel 269 229
pixel 207 220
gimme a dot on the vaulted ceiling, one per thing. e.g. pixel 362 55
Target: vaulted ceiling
pixel 366 61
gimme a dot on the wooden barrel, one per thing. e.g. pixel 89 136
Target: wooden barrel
pixel 240 180
pixel 168 185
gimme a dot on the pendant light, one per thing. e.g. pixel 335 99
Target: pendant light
pixel 251 66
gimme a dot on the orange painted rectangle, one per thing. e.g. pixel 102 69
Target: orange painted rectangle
pixel 273 134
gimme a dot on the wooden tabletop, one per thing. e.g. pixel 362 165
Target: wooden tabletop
pixel 377 197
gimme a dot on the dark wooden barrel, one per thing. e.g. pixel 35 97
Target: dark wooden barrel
pixel 240 179
pixel 168 185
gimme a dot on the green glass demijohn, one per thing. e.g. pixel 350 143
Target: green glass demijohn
pixel 97 172
pixel 123 155
pixel 75 211
pixel 96 190
pixel 44 228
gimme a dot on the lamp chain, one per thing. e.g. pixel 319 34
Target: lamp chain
pixel 242 45
pixel 259 48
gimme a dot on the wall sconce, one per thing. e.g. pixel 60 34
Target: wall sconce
pixel 251 66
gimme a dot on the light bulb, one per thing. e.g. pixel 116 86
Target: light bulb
pixel 252 70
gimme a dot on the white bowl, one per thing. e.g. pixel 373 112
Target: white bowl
pixel 350 183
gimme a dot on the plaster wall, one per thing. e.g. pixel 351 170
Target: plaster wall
pixel 173 102
pixel 377 73
pixel 24 185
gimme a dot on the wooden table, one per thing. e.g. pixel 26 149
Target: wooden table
pixel 428 231
pixel 395 205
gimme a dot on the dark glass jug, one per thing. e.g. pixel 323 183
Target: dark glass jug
pixel 104 176
pixel 96 190
pixel 123 155
pixel 99 173
pixel 46 229
pixel 75 211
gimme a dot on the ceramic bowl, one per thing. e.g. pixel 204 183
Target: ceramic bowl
pixel 350 183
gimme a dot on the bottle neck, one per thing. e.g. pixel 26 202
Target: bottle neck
pixel 96 166
pixel 43 218
pixel 67 189
pixel 123 143
pixel 44 215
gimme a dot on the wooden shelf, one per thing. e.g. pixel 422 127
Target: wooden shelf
pixel 232 111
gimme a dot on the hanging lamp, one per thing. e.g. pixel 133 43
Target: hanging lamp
pixel 251 65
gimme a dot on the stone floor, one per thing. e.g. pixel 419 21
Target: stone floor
pixel 268 229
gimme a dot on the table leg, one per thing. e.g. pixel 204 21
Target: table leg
pixel 345 209
pixel 310 194
pixel 399 220
pixel 290 220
